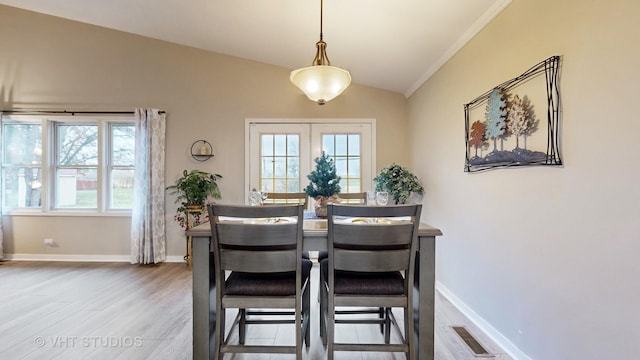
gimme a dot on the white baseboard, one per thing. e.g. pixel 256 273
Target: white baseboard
pixel 490 331
pixel 80 258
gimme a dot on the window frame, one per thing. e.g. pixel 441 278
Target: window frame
pixel 50 125
pixel 316 126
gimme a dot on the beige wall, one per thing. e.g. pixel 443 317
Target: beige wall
pixel 51 63
pixel 548 257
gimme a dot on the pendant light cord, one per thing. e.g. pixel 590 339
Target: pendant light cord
pixel 320 20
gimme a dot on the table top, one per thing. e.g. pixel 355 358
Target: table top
pixel 314 227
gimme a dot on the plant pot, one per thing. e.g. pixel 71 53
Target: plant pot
pixel 194 208
pixel 321 205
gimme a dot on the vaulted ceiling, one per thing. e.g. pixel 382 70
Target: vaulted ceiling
pixel 389 44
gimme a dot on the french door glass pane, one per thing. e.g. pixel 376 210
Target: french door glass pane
pixel 280 162
pixel 267 167
pixel 267 144
pixel 345 151
pixel 354 144
pixel 328 145
pixel 293 145
pixel 293 168
pixel 341 165
pixel 280 145
pixel 341 144
pixel 76 188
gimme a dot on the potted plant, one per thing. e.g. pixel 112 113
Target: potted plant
pixel 192 190
pixel 399 182
pixel 324 185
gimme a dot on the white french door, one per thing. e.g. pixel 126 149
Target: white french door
pixel 280 154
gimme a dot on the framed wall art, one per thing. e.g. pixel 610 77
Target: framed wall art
pixel 517 122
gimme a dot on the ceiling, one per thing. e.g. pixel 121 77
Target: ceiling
pixel 389 44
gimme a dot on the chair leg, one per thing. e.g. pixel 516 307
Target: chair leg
pixel 409 337
pixel 381 316
pixel 330 336
pixel 323 314
pixel 220 332
pixel 387 326
pixel 242 326
pixel 299 323
pixel 306 318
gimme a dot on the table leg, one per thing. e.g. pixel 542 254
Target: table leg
pixel 204 316
pixel 424 299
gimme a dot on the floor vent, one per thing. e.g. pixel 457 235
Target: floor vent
pixel 474 345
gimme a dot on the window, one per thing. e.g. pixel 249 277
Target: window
pixel 280 155
pixel 74 164
pixel 22 164
pixel 345 151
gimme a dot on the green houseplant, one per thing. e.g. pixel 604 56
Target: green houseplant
pixel 324 184
pixel 192 190
pixel 399 182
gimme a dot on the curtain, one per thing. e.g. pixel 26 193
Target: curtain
pixel 148 213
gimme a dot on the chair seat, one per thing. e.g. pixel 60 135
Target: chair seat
pixel 272 284
pixel 380 283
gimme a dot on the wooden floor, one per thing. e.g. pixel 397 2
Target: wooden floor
pixel 55 310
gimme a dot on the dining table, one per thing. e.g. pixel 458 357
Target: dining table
pixel 314 239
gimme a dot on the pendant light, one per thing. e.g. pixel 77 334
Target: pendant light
pixel 321 82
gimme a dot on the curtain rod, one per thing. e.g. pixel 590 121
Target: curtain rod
pixel 67 112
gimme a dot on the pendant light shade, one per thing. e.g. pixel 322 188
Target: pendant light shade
pixel 321 82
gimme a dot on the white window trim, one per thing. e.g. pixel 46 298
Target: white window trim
pixel 48 161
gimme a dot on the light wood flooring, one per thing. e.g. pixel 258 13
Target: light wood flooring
pixel 62 310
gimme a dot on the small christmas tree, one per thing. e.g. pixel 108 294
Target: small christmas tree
pixel 325 184
pixel 324 179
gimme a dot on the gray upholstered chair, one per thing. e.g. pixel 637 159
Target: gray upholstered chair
pixel 259 247
pixel 371 264
pixel 349 198
pixel 276 198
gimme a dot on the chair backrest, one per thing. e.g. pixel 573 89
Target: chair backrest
pixel 354 198
pixel 373 238
pixel 257 239
pixel 286 198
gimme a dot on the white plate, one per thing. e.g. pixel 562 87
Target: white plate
pixel 270 221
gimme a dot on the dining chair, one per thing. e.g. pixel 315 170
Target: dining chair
pixel 275 198
pixel 371 264
pixel 258 269
pixel 286 198
pixel 353 198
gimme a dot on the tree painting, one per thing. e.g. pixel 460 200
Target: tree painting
pixel 507 117
pixel 530 116
pixel 477 139
pixel 495 115
pixel 516 119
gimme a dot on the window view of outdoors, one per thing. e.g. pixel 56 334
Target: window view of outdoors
pixel 88 164
pixel 22 165
pixel 345 151
pixel 122 162
pixel 76 166
pixel 280 163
